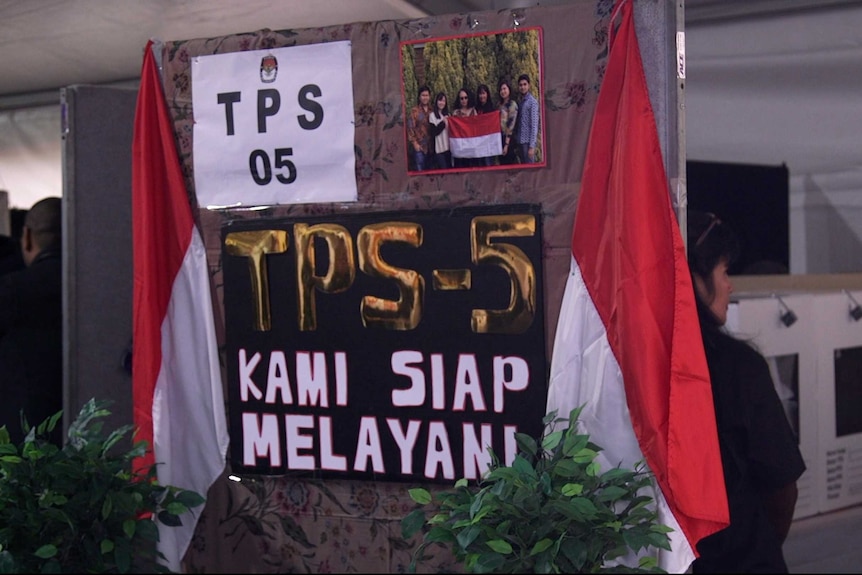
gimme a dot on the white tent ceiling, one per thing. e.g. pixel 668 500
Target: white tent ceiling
pixel 48 44
pixel 768 82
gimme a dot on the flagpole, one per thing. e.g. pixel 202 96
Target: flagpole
pixel 660 28
pixel 156 46
pixel 681 189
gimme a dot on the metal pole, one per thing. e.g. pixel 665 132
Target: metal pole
pixel 681 190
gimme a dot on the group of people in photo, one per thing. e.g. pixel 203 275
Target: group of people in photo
pixel 428 125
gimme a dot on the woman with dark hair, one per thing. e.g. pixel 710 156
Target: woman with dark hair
pixel 464 105
pixel 484 105
pixel 508 121
pixel 438 121
pixel 759 453
pixel 464 109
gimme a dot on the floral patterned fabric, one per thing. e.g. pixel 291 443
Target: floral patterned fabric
pixel 301 523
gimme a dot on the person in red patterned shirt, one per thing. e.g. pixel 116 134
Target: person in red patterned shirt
pixel 417 129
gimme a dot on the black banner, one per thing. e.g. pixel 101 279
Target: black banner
pixel 393 345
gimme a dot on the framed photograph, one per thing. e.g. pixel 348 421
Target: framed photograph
pixel 474 102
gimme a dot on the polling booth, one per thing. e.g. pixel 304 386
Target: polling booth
pixel 812 343
pixel 383 313
pixel 839 371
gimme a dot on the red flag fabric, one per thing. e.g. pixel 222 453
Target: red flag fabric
pixel 475 136
pixel 628 343
pixel 178 403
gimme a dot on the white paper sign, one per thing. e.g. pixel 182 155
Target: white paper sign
pixel 274 126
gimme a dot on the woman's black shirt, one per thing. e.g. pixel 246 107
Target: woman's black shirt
pixel 759 454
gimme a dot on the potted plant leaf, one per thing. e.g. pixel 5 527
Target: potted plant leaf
pixel 552 511
pixel 80 508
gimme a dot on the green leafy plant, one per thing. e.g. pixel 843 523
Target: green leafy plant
pixel 552 511
pixel 80 507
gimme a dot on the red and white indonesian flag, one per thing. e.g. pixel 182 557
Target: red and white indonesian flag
pixel 628 344
pixel 177 389
pixel 475 136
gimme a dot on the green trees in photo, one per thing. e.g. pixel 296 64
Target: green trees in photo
pixel 408 71
pixel 480 62
pixel 444 68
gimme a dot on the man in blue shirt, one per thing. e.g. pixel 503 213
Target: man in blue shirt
pixel 528 118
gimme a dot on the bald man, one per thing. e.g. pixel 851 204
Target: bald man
pixel 31 325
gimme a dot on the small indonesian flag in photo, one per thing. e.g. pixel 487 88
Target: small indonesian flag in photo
pixel 475 136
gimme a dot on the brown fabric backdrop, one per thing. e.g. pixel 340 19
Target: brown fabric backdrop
pixel 298 523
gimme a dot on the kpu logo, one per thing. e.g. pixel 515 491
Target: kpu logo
pixel 268 69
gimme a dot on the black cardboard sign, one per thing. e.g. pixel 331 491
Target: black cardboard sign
pixel 392 345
